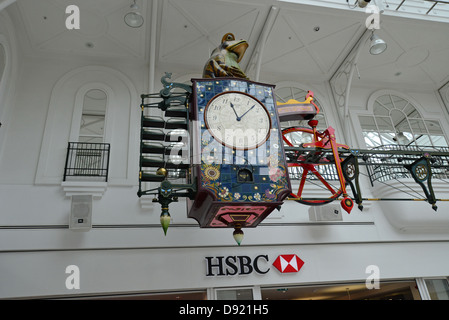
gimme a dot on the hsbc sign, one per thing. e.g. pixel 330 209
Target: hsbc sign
pixel 244 265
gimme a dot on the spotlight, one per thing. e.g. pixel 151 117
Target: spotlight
pixel 401 139
pixel 377 45
pixel 363 3
pixel 133 18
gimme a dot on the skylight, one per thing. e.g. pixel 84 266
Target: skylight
pixel 433 10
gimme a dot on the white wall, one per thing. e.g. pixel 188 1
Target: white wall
pixel 404 239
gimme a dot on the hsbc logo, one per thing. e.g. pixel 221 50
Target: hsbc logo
pixel 287 263
pixel 244 265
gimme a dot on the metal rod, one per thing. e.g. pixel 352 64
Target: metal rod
pixel 400 5
pixel 360 152
pixel 431 7
pixel 365 199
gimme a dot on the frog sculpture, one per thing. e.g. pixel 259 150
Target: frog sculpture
pixel 224 60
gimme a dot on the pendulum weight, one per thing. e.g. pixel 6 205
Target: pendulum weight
pixel 238 234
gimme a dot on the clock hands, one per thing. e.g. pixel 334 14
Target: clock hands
pixel 240 118
pixel 235 112
pixel 232 106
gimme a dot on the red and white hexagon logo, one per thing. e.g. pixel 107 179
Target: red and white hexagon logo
pixel 288 263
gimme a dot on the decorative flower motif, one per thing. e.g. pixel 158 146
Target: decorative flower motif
pixel 212 173
pixel 257 196
pixel 269 194
pixel 223 193
pixel 236 196
pixel 275 174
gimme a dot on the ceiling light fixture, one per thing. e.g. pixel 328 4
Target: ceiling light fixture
pixel 377 45
pixel 363 3
pixel 133 18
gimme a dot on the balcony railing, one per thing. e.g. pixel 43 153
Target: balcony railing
pixel 384 167
pixel 87 161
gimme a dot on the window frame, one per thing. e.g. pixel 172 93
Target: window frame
pixel 369 111
pixel 79 108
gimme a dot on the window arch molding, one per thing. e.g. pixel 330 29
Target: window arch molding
pixel 379 93
pixel 64 112
pixel 392 117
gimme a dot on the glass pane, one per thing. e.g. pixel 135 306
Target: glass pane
pixel 439 141
pixel 384 124
pixel 438 289
pixel 372 139
pixel 388 138
pixel 92 125
pixel 418 126
pixel 411 112
pixel 398 118
pixel 235 294
pixel 423 140
pixel 283 94
pixel 95 102
pixel 93 117
pixel 299 94
pixel 385 101
pixel 367 123
pixel 398 102
pixel 380 110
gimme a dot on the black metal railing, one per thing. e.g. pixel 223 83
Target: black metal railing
pixel 328 172
pixel 86 159
pixel 384 167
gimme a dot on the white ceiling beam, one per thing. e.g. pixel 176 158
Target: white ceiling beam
pixel 5 3
pixel 260 44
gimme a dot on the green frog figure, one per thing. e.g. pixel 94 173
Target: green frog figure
pixel 224 60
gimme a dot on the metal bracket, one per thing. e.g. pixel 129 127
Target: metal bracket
pixel 350 168
pixel 422 173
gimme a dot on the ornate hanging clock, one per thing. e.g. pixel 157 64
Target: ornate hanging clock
pixel 238 156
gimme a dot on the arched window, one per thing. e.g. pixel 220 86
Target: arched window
pixel 93 117
pixel 284 94
pixel 396 121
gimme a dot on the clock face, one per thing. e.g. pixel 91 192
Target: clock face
pixel 237 120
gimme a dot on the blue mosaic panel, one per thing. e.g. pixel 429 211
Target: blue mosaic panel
pixel 220 165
